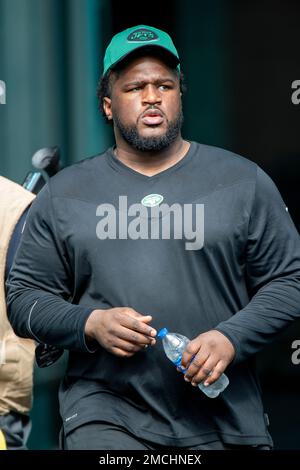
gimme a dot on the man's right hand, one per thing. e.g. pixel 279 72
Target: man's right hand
pixel 121 331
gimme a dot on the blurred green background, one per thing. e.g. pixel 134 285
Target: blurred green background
pixel 239 59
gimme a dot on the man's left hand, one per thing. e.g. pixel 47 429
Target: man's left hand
pixel 206 357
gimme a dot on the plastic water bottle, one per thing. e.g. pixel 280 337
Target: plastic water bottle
pixel 174 346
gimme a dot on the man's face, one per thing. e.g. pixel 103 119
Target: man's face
pixel 145 104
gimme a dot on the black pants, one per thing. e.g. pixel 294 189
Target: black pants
pixel 103 436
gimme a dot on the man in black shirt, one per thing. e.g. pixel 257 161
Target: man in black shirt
pixel 156 232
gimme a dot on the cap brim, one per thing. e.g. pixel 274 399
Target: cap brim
pixel 159 50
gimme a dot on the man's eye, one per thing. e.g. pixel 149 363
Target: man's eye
pixel 136 88
pixel 164 87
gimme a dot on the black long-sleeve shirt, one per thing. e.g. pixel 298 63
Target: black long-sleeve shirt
pixel 243 281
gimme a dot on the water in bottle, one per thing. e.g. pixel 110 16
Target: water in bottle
pixel 174 345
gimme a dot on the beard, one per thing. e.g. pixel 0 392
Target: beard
pixel 153 143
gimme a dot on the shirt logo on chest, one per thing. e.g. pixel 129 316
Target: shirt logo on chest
pixel 152 200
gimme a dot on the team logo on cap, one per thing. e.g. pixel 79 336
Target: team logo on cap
pixel 142 35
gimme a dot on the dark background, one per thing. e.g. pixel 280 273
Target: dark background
pixel 239 59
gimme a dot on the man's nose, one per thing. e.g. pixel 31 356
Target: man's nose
pixel 151 95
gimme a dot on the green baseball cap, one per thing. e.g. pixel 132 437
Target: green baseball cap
pixel 131 39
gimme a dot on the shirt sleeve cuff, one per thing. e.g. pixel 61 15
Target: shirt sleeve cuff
pixel 236 344
pixel 86 346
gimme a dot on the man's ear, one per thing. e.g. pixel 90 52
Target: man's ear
pixel 107 108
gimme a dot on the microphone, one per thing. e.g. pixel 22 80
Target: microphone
pixel 34 181
pixel 47 159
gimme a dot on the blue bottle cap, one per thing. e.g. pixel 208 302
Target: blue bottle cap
pixel 162 333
